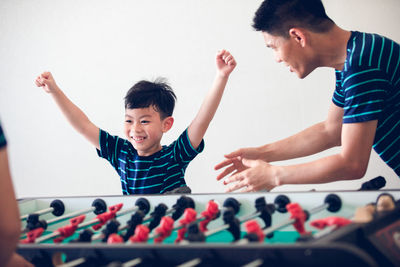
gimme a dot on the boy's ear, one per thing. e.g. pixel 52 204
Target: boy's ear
pixel 167 124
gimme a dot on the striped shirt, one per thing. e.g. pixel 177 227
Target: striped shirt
pixel 155 174
pixel 368 88
pixel 3 141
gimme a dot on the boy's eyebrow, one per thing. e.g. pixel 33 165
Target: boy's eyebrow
pixel 143 116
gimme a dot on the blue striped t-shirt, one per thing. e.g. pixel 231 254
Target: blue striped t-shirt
pixel 3 141
pixel 155 174
pixel 368 88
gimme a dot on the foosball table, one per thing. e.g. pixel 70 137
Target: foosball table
pixel 347 228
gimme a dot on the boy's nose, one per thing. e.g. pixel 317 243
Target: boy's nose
pixel 136 127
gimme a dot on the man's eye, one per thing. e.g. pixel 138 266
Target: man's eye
pixel 128 121
pixel 144 121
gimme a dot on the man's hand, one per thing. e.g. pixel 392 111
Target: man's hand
pixel 234 160
pixel 251 175
pixel 225 63
pixel 46 81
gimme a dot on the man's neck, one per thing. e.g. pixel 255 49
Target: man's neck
pixel 332 46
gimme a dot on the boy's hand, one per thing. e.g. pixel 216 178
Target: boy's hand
pixel 225 63
pixel 46 81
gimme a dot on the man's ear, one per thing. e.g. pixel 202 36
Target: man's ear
pixel 167 124
pixel 298 35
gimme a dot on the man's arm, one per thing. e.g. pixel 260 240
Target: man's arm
pixel 314 139
pixel 317 138
pixel 225 65
pixel 74 115
pixel 350 163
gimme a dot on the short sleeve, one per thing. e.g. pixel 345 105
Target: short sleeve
pixel 183 149
pixel 3 141
pixel 110 147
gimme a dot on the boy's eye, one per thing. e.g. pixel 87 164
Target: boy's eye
pixel 144 121
pixel 128 121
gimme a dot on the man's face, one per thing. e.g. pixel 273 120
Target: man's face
pixel 289 51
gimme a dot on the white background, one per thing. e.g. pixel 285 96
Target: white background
pixel 97 50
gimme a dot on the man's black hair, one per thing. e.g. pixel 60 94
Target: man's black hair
pixel 157 94
pixel 277 17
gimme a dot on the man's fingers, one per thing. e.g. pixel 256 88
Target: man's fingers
pixel 226 172
pixel 235 187
pixel 234 154
pixel 236 177
pixel 223 164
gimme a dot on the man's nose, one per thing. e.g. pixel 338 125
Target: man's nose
pixel 278 58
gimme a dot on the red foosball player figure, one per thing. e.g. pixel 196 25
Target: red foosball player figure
pixel 254 231
pixel 330 221
pixel 189 216
pixel 299 215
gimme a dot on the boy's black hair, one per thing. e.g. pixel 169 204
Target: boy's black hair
pixel 157 94
pixel 277 17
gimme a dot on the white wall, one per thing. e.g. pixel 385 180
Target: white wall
pixel 98 49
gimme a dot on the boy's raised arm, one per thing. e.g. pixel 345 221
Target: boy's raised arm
pixel 225 65
pixel 74 115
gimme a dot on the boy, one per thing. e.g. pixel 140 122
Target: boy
pixel 144 166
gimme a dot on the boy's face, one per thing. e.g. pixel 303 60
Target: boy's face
pixel 144 129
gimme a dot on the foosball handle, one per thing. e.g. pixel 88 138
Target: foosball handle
pixel 334 202
pixel 143 204
pixel 280 203
pixel 58 207
pixel 99 205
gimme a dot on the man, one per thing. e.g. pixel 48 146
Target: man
pixel 365 108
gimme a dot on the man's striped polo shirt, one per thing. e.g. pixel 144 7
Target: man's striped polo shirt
pixel 368 88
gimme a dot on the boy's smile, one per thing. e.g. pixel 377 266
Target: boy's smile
pixel 144 129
